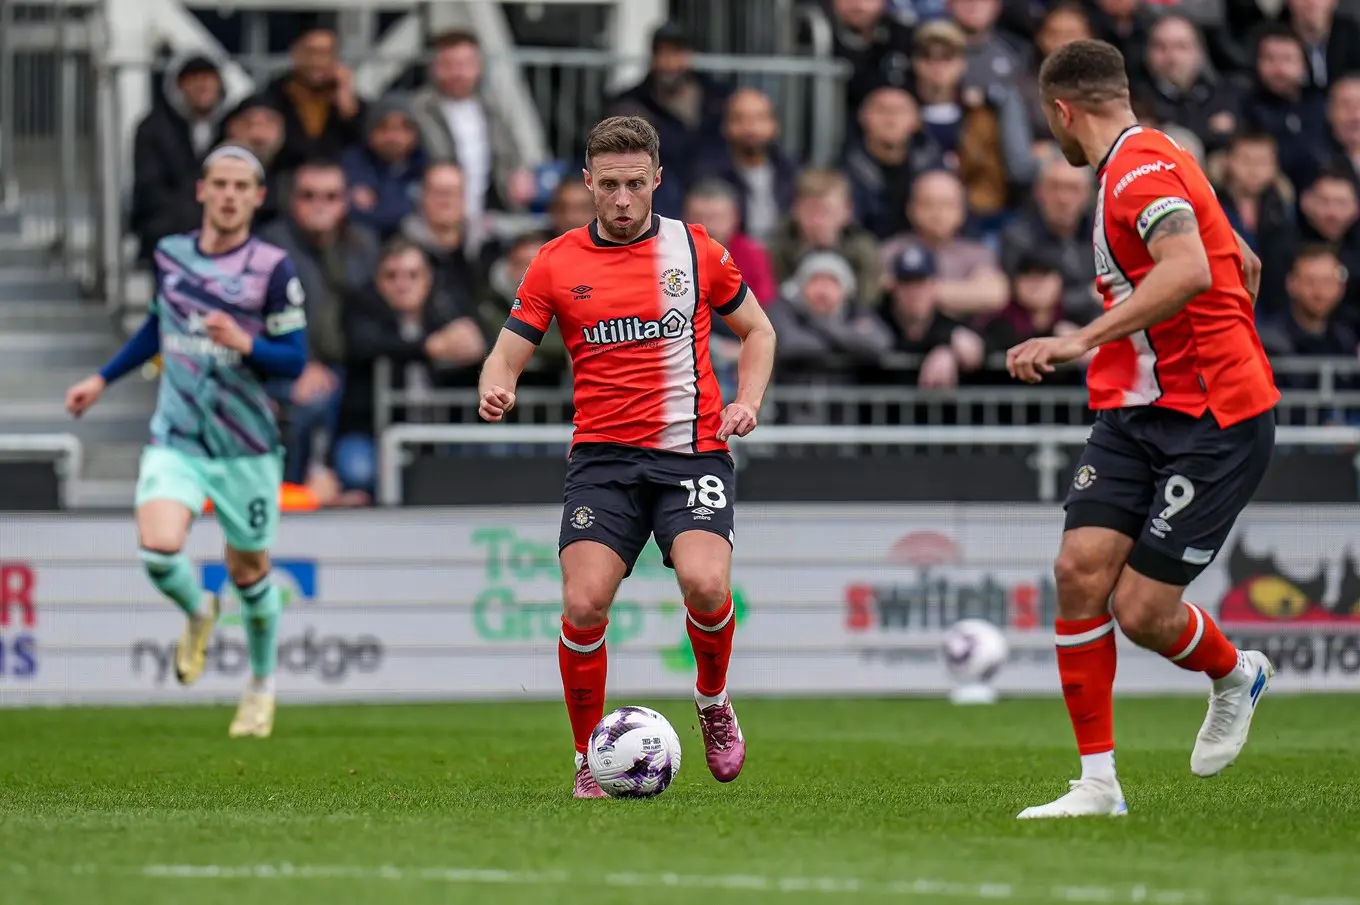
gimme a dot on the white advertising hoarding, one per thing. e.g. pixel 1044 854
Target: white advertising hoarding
pixel 465 603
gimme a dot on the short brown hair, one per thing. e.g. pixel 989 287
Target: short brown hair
pixel 454 38
pixel 623 135
pixel 400 245
pixel 820 184
pixel 1086 72
pixel 1314 250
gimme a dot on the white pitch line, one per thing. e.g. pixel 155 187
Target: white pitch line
pixel 918 888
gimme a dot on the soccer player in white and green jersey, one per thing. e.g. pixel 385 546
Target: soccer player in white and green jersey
pixel 227 318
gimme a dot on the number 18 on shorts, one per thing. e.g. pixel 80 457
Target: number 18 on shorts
pixel 621 496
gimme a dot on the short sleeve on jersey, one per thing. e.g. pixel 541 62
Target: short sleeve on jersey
pixel 1147 190
pixel 284 301
pixel 531 312
pixel 727 289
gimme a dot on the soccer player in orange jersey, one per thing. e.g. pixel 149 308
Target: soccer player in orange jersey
pixel 1184 429
pixel 634 295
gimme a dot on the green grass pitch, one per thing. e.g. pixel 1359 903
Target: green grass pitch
pixel 841 801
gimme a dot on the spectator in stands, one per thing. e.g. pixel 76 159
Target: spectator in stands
pixel 822 220
pixel 1258 200
pixel 1182 89
pixel 752 162
pixel 1058 219
pixel 1037 305
pixel 1331 41
pixel 946 347
pixel 1063 22
pixel 457 125
pixel 550 361
pixel 439 228
pixel 1125 24
pixel 322 112
pixel 1329 212
pixel 428 341
pixel 986 137
pixel 1278 105
pixel 335 258
pixel 1341 150
pixel 996 64
pixel 966 275
pixel 884 163
pixel 1310 324
pixel 823 335
pixel 386 172
pixel 715 205
pixel 571 207
pixel 258 126
pixel 875 44
pixel 686 108
pixel 169 148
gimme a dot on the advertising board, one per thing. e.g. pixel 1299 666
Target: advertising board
pixel 465 603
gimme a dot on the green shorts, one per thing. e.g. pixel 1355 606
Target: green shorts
pixel 244 491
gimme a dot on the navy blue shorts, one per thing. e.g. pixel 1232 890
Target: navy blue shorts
pixel 621 496
pixel 1172 482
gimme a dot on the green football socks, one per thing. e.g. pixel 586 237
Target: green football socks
pixel 173 576
pixel 260 609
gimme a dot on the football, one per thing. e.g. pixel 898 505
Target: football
pixel 974 651
pixel 634 753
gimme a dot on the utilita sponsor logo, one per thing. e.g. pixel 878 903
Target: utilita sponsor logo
pixel 1141 171
pixel 635 329
pixel 331 658
pixel 18 620
pixel 944 591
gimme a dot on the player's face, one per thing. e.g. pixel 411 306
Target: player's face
pixel 623 185
pixel 230 194
pixel 1059 115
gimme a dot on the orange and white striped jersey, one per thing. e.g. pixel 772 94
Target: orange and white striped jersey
pixel 636 320
pixel 1207 356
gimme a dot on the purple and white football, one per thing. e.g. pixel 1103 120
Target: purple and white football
pixel 974 650
pixel 634 753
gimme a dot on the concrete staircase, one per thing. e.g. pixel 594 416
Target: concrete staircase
pixel 51 337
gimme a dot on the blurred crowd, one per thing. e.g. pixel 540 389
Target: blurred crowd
pixel 950 229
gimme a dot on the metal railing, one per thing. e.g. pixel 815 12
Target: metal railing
pixel 1334 395
pixel 50 57
pixel 1046 444
pixel 63 450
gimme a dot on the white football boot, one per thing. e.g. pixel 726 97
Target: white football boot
pixel 1092 797
pixel 1231 707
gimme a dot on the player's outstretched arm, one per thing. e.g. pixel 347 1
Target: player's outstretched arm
pixel 500 374
pixel 140 348
pixel 1179 273
pixel 754 367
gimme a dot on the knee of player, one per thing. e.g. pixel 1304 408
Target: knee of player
pixel 1081 582
pixel 156 561
pixel 584 607
pixel 1140 618
pixel 247 570
pixel 705 592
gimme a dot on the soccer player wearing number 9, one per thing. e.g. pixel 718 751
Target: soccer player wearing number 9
pixel 1184 429
pixel 228 315
pixel 633 295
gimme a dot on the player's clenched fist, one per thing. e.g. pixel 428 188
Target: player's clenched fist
pixel 495 403
pixel 83 395
pixel 738 420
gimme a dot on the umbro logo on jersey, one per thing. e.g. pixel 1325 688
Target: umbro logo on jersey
pixel 671 325
pixel 581 292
